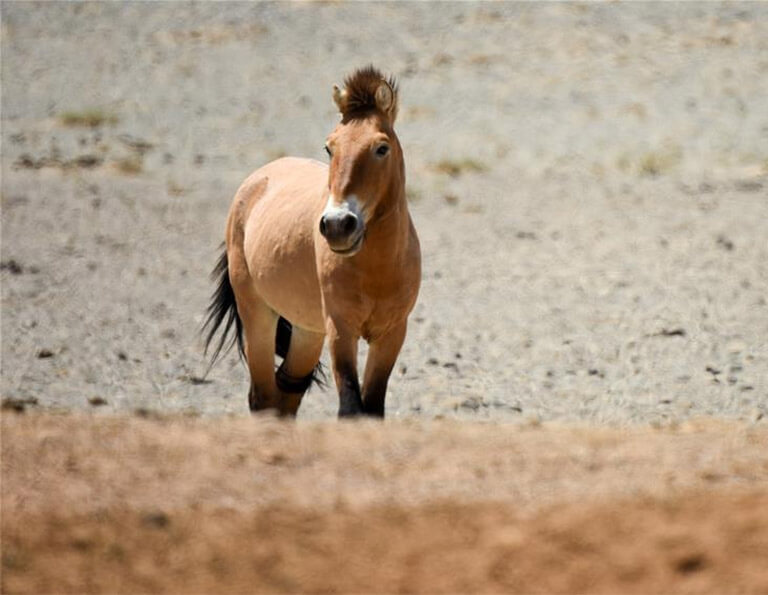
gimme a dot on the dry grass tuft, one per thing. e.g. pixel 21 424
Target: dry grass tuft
pixel 91 118
pixel 129 165
pixel 456 168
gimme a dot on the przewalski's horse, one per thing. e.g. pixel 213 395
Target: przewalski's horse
pixel 315 251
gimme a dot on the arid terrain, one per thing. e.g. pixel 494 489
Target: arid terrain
pixel 256 505
pixel 581 404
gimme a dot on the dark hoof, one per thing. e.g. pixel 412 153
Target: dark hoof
pixel 350 412
pixel 256 402
pixel 374 410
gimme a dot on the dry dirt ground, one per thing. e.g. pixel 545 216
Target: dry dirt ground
pixel 259 505
pixel 589 182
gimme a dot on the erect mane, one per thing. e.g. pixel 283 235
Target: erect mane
pixel 361 86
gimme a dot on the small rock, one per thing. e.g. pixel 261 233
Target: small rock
pixel 87 161
pixel 158 520
pixel 18 405
pixel 137 144
pixel 82 544
pixel 690 563
pixel 97 401
pixel 675 332
pixel 725 243
pixel 12 267
pixel 472 403
pixel 145 413
pixel 749 186
pixel 44 354
pixel 275 458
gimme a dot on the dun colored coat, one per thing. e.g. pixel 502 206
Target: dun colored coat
pixel 316 251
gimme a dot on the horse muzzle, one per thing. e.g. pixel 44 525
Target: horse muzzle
pixel 343 230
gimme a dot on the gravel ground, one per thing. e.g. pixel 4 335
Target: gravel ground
pixel 590 184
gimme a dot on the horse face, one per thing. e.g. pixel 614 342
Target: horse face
pixel 365 157
pixel 366 160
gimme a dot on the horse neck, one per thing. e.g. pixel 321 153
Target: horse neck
pixel 391 225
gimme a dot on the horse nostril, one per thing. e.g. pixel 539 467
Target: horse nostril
pixel 323 228
pixel 349 224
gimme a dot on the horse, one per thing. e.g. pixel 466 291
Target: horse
pixel 315 251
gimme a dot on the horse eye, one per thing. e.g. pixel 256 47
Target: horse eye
pixel 328 150
pixel 382 150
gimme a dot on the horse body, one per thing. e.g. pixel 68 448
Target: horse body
pixel 277 209
pixel 316 251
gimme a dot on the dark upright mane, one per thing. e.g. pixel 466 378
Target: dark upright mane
pixel 361 87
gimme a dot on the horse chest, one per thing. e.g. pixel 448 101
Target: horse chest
pixel 390 298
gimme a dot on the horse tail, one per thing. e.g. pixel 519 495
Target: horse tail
pixel 223 310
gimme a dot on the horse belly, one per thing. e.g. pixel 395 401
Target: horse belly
pixel 291 292
pixel 280 253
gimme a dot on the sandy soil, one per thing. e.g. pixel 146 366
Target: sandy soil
pixel 589 184
pixel 230 505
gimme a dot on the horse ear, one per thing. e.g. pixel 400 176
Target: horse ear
pixel 385 98
pixel 340 98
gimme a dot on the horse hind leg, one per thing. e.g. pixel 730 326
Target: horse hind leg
pixel 297 372
pixel 259 326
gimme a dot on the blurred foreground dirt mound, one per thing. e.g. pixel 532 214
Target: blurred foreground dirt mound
pixel 251 505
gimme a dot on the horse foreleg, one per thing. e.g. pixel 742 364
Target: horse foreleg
pixel 342 343
pixel 295 373
pixel 381 359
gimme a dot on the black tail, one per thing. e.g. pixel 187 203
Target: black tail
pixel 223 309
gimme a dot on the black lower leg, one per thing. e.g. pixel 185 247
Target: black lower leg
pixel 256 400
pixel 373 399
pixel 292 384
pixel 350 403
